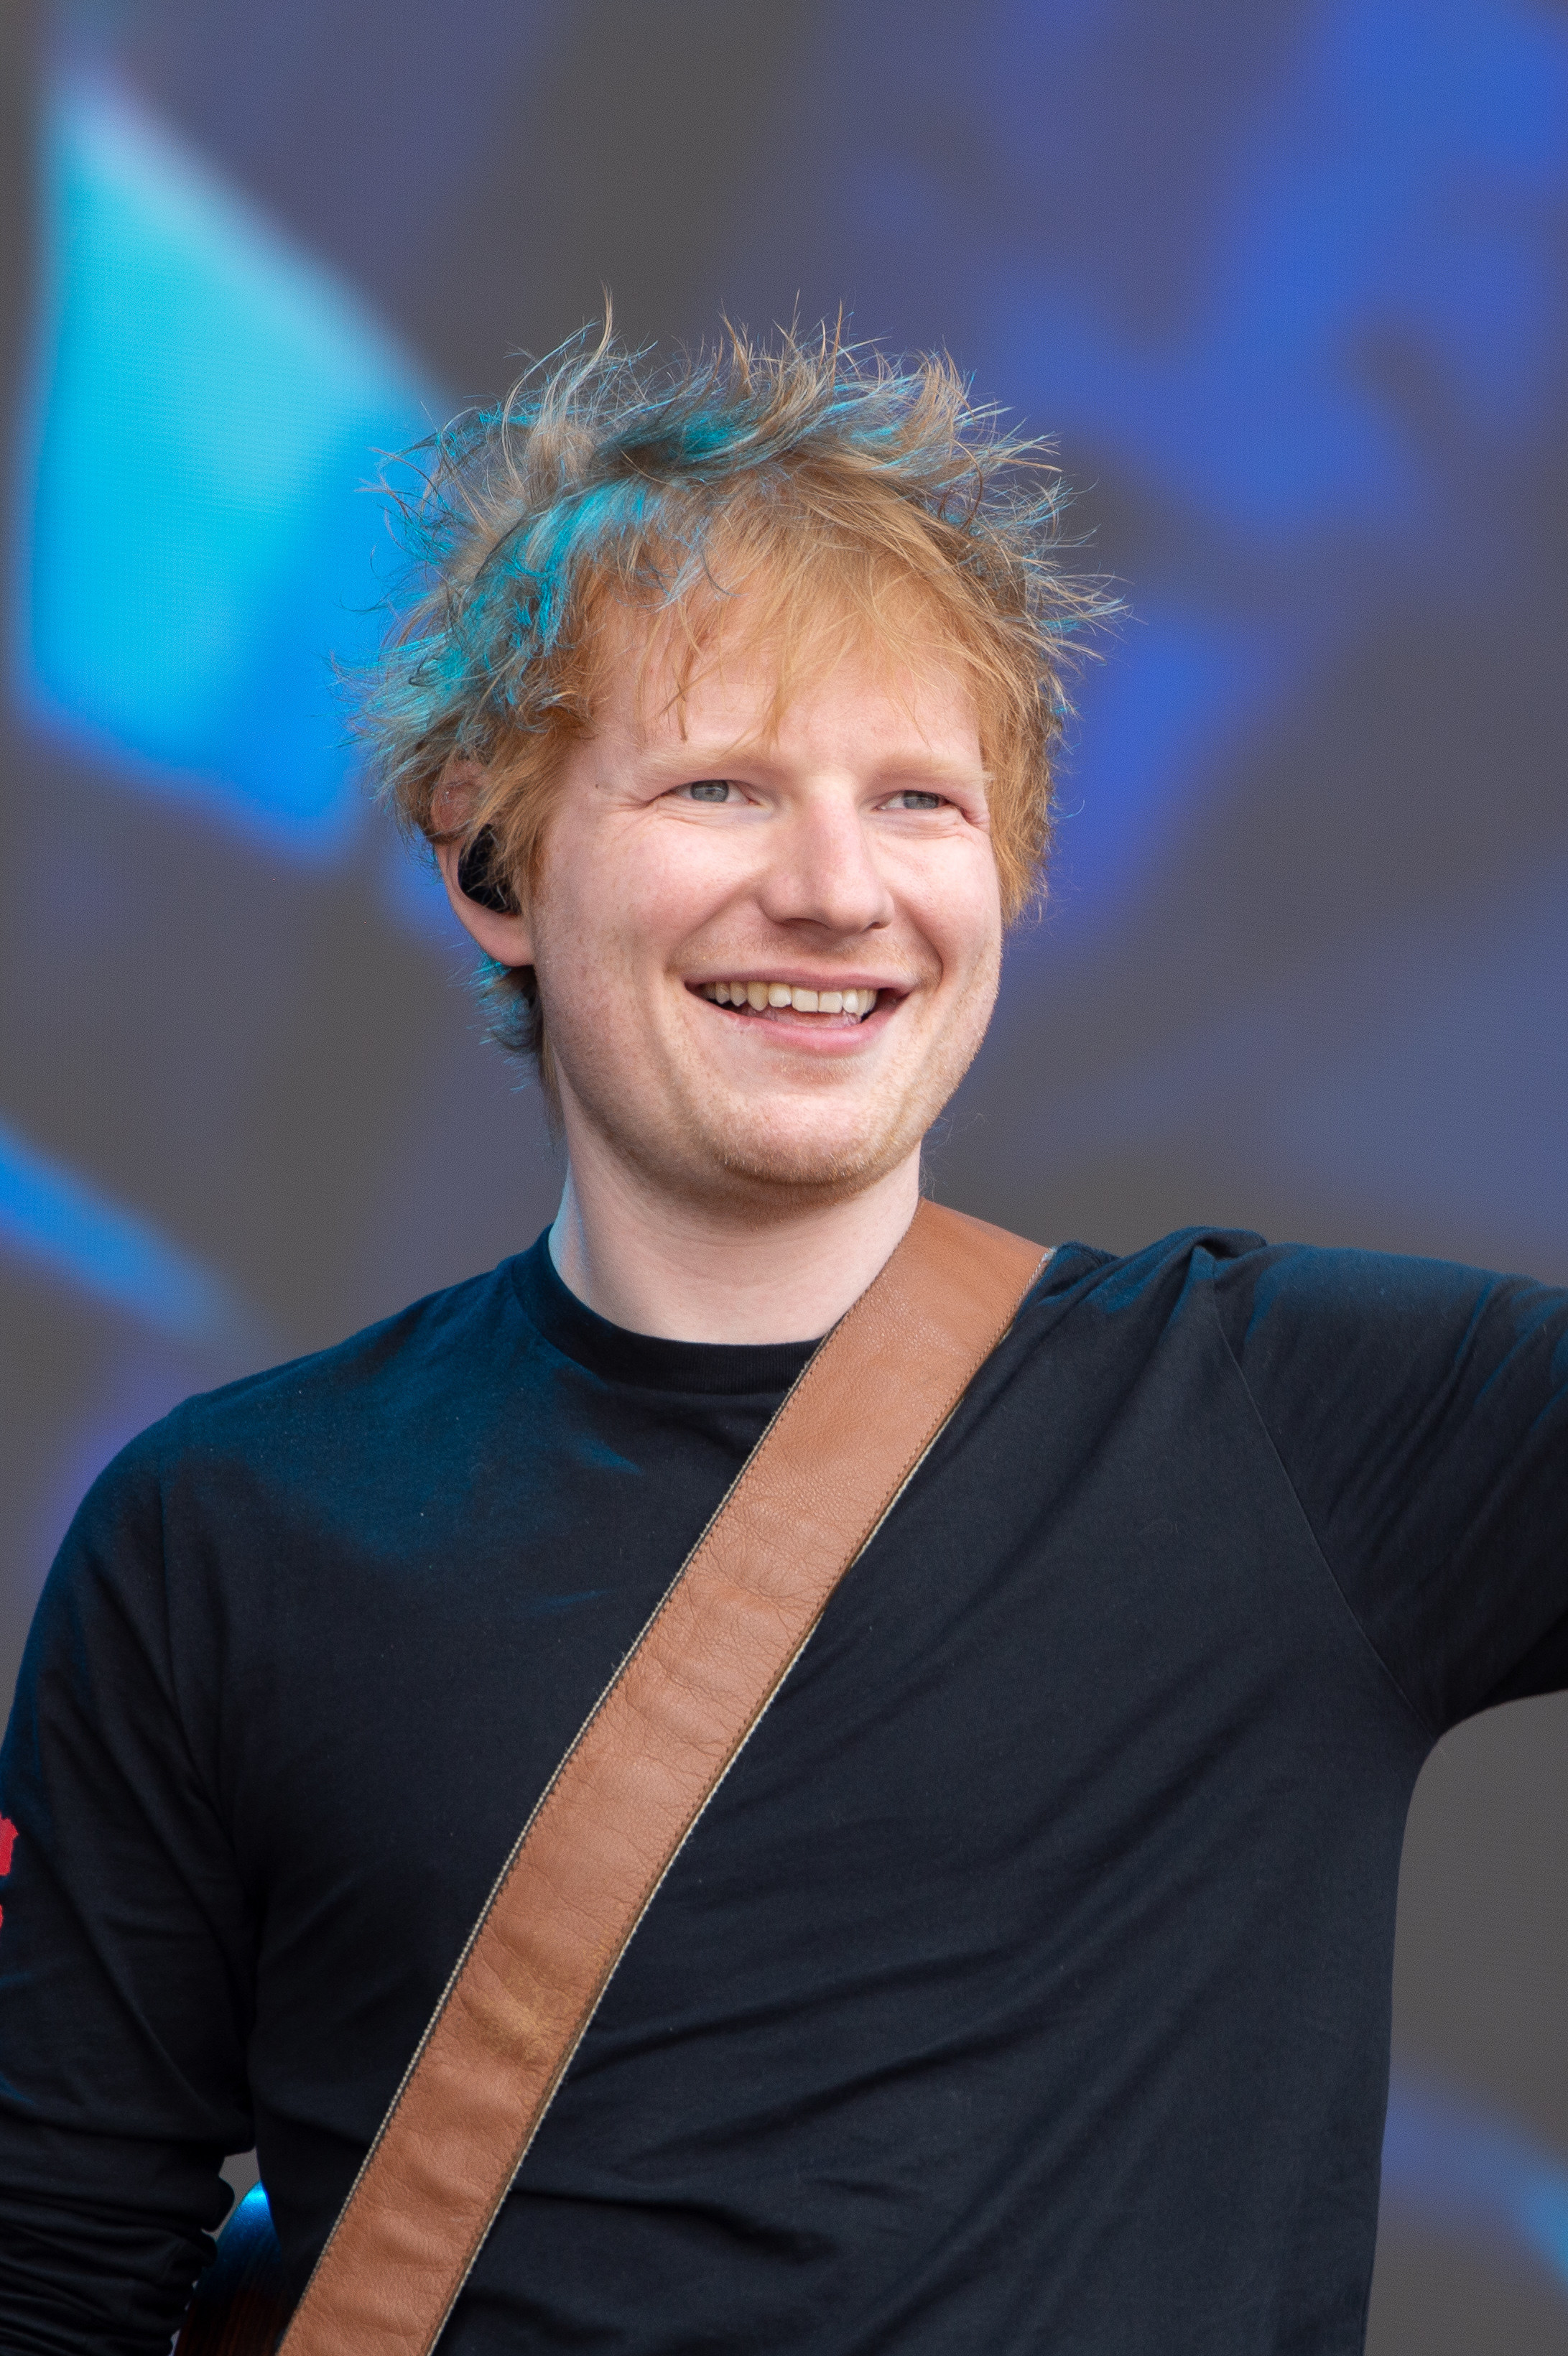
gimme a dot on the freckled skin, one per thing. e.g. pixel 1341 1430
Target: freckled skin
pixel 738 1177
pixel 851 847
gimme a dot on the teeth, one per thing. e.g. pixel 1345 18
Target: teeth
pixel 760 995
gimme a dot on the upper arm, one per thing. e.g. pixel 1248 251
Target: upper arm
pixel 1420 1412
pixel 124 1971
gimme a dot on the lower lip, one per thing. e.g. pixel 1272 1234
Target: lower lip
pixel 785 1028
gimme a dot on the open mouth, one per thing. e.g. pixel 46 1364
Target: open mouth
pixel 776 999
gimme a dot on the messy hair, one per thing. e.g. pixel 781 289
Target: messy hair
pixel 841 491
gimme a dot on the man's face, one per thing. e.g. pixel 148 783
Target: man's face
pixel 698 866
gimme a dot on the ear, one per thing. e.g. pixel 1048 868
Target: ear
pixel 504 935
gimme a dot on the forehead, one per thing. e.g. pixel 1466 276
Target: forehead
pixel 841 692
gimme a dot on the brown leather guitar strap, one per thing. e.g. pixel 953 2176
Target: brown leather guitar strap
pixel 623 1801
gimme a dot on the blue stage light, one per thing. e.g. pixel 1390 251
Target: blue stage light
pixel 60 1224
pixel 208 403
pixel 1455 2166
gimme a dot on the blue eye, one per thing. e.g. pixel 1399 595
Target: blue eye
pixel 910 799
pixel 709 789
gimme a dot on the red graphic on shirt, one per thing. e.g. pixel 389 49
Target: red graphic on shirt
pixel 7 1843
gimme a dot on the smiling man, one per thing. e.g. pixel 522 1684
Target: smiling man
pixel 1026 1984
pixel 760 985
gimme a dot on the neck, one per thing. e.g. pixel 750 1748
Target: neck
pixel 688 1273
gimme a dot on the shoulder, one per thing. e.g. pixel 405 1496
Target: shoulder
pixel 1150 1284
pixel 1270 1301
pixel 344 1415
pixel 1241 1267
pixel 1349 1311
pixel 247 1505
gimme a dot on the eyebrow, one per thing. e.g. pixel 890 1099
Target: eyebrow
pixel 712 759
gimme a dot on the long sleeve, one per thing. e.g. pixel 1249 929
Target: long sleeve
pixel 1420 1412
pixel 124 1958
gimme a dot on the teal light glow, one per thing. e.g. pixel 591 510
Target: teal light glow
pixel 60 1224
pixel 208 404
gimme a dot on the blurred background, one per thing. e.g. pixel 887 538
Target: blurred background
pixel 1287 280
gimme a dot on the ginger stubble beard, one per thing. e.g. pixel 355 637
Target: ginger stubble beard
pixel 728 1150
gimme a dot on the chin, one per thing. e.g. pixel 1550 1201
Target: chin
pixel 814 1163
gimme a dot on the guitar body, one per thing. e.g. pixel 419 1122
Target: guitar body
pixel 238 2308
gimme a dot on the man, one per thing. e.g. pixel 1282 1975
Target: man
pixel 1027 1984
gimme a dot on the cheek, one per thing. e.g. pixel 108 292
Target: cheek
pixel 587 901
pixel 677 880
pixel 622 903
pixel 960 911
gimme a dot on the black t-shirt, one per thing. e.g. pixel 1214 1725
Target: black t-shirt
pixel 1027 1984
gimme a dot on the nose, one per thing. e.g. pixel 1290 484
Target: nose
pixel 822 872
